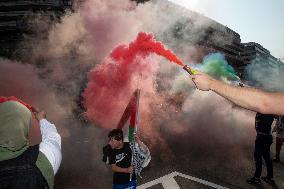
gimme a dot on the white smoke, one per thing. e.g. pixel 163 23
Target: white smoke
pixel 265 75
pixel 171 110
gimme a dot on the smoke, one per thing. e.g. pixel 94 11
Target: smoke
pixel 172 113
pixel 264 75
pixel 117 77
pixel 21 80
pixel 217 66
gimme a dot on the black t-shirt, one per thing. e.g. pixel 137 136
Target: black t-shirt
pixel 263 122
pixel 121 158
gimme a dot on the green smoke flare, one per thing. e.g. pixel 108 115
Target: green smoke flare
pixel 216 66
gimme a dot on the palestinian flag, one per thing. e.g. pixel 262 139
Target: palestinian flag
pixel 128 122
pixel 129 118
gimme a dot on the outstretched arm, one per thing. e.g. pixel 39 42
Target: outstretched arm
pixel 50 145
pixel 249 98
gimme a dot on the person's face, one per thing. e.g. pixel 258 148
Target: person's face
pixel 115 144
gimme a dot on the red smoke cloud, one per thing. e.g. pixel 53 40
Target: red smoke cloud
pixel 111 82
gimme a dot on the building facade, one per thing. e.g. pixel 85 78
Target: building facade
pixel 13 22
pixel 216 37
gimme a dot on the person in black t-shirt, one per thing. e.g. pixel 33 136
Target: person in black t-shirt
pixel 263 142
pixel 119 155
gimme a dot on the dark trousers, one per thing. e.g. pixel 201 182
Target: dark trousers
pixel 262 150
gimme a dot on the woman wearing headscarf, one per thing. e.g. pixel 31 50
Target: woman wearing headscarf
pixel 23 166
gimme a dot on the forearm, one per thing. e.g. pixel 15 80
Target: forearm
pixel 117 169
pixel 248 98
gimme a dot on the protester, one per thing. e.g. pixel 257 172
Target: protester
pixel 23 166
pixel 263 142
pixel 119 155
pixel 279 129
pixel 249 98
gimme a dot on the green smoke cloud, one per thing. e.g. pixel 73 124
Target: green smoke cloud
pixel 217 66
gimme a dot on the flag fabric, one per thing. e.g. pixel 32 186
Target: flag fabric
pixel 128 121
pixel 141 157
pixel 129 124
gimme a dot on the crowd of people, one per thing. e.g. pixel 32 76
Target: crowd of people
pixel 28 167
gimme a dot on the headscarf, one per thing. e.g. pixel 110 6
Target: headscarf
pixel 15 122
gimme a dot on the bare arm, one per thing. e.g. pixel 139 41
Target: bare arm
pixel 249 98
pixel 115 168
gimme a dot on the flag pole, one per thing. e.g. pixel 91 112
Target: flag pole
pixel 135 129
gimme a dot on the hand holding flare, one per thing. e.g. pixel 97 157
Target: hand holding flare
pixel 189 70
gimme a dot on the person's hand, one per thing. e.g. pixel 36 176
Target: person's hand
pixel 130 169
pixel 202 81
pixel 40 115
pixel 136 137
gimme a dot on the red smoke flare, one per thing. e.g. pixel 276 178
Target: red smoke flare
pixel 147 43
pixel 110 82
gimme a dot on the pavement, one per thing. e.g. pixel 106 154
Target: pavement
pixel 182 164
pixel 182 174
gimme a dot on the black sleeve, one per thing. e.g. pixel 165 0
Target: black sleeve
pixel 129 147
pixel 107 151
pixel 111 158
